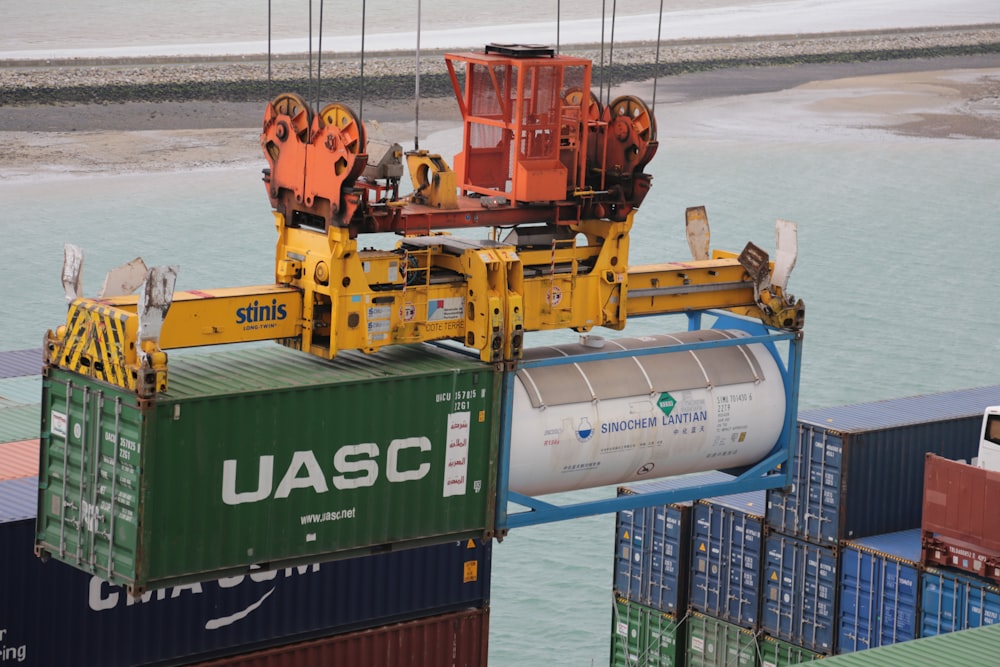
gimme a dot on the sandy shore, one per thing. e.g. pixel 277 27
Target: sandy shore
pixel 957 97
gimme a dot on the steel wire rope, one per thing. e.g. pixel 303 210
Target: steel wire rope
pixel 656 62
pixel 319 51
pixel 310 47
pixel 269 50
pixel 604 19
pixel 558 23
pixel 611 47
pixel 361 92
pixel 416 91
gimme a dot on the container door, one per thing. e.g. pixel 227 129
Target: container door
pixel 88 476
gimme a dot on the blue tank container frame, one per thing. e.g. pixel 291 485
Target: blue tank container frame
pixel 772 472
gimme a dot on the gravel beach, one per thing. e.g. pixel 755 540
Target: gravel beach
pixel 149 115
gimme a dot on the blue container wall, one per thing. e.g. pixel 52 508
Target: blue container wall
pixel 653 546
pixel 53 614
pixel 727 548
pixel 800 592
pixel 879 591
pixel 953 601
pixel 840 487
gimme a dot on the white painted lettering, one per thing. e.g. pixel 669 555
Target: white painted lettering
pixel 393 473
pixel 367 466
pixel 314 475
pixel 265 478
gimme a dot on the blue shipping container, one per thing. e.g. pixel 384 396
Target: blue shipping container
pixel 800 592
pixel 53 614
pixel 841 486
pixel 727 549
pixel 879 591
pixel 653 545
pixel 952 601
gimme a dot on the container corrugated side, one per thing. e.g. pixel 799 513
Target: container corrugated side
pixel 18 459
pixel 956 531
pixel 727 554
pixel 266 456
pixel 800 592
pixel 841 489
pixel 95 623
pixel 955 601
pixel 641 635
pixel 653 546
pixel 777 653
pixel 20 363
pixel 879 591
pixel 19 422
pixel 715 643
pixel 453 640
pixel 979 646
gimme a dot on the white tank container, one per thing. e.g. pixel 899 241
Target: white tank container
pixel 615 421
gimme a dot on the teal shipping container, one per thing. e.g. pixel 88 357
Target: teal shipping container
pixel 266 457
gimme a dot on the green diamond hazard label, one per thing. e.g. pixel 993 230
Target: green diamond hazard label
pixel 666 403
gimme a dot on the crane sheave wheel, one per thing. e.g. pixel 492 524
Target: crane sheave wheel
pixel 351 128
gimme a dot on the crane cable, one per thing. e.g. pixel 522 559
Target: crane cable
pixel 269 50
pixel 606 71
pixel 416 92
pixel 656 65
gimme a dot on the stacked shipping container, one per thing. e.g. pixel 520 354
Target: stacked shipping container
pixel 424 601
pixel 840 567
pixel 262 455
pixel 96 623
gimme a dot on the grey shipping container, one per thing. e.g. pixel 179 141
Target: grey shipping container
pixel 460 639
pixel 95 623
pixel 727 545
pixel 842 487
pixel 262 456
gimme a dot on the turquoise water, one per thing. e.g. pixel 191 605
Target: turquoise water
pixel 897 265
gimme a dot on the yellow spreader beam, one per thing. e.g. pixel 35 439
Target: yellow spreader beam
pixel 330 296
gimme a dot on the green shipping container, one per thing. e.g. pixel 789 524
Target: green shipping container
pixel 641 635
pixel 715 643
pixel 777 653
pixel 266 457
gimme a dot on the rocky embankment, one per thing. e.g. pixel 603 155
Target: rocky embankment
pixel 389 76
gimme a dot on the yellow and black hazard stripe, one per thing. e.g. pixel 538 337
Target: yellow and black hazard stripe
pixel 98 343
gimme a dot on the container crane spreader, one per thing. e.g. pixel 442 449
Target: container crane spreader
pixel 541 158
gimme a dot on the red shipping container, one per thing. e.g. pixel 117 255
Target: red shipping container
pixel 18 459
pixel 451 640
pixel 961 528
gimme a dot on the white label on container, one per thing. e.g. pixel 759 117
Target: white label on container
pixel 698 644
pixel 452 308
pixel 58 423
pixel 456 458
pixel 623 629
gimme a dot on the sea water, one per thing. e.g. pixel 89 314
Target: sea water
pixel 897 265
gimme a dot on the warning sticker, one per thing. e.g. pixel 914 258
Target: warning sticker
pixel 452 308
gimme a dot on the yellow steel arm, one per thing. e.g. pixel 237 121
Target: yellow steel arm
pixel 101 336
